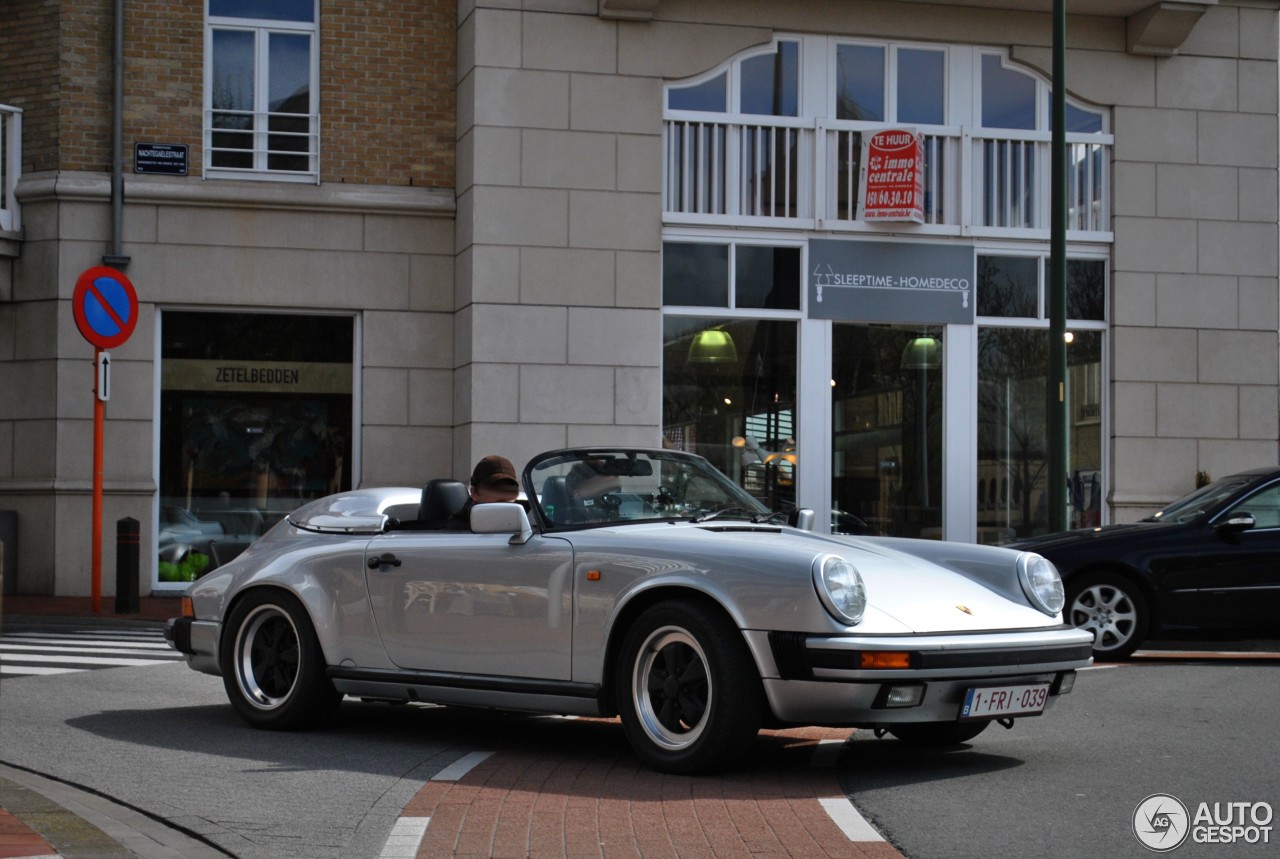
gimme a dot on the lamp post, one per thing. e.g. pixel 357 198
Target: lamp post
pixel 1056 411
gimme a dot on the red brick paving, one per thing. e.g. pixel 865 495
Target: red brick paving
pixel 573 788
pixel 19 840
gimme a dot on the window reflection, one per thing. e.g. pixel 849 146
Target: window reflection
pixel 695 275
pixel 771 82
pixel 767 277
pixel 860 82
pixel 1008 96
pixel 1009 286
pixel 1012 446
pixel 921 88
pixel 709 96
pixel 886 408
pixel 255 418
pixel 729 394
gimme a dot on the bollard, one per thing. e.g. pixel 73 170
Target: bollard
pixel 127 537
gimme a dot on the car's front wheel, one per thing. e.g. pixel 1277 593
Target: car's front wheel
pixel 272 665
pixel 938 733
pixel 1111 607
pixel 688 691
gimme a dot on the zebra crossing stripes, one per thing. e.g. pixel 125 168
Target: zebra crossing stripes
pixel 37 652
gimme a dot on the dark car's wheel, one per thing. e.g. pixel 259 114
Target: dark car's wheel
pixel 1113 608
pixel 687 689
pixel 938 733
pixel 272 665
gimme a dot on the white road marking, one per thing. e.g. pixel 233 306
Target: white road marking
pixel 32 670
pixel 461 766
pixel 405 838
pixel 75 660
pixel 851 822
pixel 825 753
pixel 126 650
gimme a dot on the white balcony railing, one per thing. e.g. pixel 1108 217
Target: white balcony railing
pixel 763 171
pixel 10 166
pixel 249 144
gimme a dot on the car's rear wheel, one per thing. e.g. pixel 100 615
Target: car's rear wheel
pixel 1111 607
pixel 938 733
pixel 688 691
pixel 272 665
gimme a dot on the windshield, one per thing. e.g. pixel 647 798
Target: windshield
pixel 604 487
pixel 1202 500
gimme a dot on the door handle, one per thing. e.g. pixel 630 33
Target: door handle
pixel 385 560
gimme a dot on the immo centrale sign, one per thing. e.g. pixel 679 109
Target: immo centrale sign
pixel 906 282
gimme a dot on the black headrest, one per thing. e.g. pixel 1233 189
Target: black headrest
pixel 441 498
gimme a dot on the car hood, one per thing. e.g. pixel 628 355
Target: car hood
pixel 912 585
pixel 1094 536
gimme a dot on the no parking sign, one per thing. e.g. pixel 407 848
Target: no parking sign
pixel 105 306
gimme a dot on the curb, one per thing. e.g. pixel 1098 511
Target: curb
pixel 83 825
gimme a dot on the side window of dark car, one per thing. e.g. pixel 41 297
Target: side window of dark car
pixel 1264 505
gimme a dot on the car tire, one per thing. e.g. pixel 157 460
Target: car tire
pixel 688 691
pixel 1111 607
pixel 938 733
pixel 272 665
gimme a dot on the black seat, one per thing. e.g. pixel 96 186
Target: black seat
pixel 555 500
pixel 441 499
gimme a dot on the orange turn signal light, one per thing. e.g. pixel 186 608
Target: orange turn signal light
pixel 593 575
pixel 188 609
pixel 884 659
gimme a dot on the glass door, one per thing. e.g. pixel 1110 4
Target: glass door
pixel 887 430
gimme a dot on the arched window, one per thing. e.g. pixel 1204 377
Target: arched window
pixel 775 137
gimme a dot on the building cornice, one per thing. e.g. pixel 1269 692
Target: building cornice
pixel 64 186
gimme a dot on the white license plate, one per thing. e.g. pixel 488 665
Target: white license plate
pixel 987 702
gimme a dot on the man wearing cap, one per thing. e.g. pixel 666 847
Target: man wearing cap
pixel 493 479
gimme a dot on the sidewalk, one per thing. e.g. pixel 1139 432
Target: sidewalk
pixel 150 609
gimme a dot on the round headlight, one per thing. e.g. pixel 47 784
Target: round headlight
pixel 1041 583
pixel 840 587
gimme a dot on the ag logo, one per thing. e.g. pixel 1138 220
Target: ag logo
pixel 1161 822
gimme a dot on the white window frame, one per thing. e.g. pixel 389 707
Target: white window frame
pixel 261 30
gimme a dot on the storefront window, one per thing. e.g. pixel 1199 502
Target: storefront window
pixel 1012 446
pixel 729 394
pixel 255 419
pixel 886 410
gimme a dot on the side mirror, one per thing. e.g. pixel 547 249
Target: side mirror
pixel 1240 521
pixel 502 518
pixel 802 518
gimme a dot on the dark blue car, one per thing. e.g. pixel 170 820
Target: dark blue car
pixel 1207 566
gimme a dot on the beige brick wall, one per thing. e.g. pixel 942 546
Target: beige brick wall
pixel 386 85
pixel 28 56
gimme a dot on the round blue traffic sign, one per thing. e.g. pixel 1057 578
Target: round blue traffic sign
pixel 105 306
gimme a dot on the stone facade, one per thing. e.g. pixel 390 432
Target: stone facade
pixel 490 210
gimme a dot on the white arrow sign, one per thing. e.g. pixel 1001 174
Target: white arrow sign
pixel 104 376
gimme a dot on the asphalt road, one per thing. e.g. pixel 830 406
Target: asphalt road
pixel 1067 784
pixel 163 739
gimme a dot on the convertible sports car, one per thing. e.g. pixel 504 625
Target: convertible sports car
pixel 640 583
pixel 1207 566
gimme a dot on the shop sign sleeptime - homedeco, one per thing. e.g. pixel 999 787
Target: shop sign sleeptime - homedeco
pixel 904 282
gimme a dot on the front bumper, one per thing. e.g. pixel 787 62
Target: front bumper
pixel 197 640
pixel 819 680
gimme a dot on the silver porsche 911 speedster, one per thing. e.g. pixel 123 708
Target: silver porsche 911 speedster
pixel 638 583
